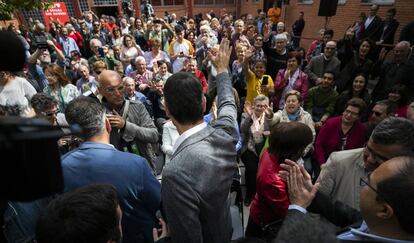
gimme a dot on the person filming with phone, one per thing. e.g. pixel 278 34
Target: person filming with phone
pixel 101 53
pixel 257 82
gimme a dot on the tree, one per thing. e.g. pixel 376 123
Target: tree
pixel 8 7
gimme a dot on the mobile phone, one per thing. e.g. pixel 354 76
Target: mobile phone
pixel 101 52
pixel 265 80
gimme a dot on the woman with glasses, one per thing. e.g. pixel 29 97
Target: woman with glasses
pixel 341 132
pixel 253 136
pixel 291 78
pixel 59 86
pixel 155 54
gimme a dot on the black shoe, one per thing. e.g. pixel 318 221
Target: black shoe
pixel 247 201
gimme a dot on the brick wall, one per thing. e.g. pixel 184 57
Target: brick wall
pixel 346 14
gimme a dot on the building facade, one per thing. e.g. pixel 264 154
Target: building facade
pixel 347 13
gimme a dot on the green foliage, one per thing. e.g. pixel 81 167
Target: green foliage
pixel 8 7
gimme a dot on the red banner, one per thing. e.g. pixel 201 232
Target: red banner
pixel 57 13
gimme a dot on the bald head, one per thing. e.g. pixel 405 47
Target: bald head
pixel 111 87
pixel 401 51
pixel 108 77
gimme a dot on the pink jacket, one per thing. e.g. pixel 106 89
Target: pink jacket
pixel 301 85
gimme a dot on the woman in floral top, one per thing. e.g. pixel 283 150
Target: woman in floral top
pixel 59 86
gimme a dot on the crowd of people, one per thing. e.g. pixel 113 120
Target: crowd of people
pixel 171 106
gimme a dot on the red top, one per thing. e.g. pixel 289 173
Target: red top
pixel 77 37
pixel 271 201
pixel 329 138
pixel 200 75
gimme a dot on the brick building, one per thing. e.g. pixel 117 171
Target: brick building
pixel 347 11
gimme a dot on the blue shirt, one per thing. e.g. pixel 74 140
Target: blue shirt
pixel 362 234
pixel 138 189
pixel 68 45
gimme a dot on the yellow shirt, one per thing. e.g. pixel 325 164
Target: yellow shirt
pixel 254 86
pixel 274 14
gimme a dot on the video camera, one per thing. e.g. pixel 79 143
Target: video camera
pixel 40 42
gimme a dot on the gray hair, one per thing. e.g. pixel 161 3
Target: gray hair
pixel 88 113
pixel 139 58
pixel 281 36
pixel 391 106
pixel 261 98
pixel 395 131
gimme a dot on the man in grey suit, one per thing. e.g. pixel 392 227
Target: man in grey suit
pixel 323 63
pixel 196 183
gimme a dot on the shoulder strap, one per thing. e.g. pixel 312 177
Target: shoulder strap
pixel 125 112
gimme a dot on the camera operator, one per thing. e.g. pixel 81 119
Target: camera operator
pixel 159 29
pixel 43 57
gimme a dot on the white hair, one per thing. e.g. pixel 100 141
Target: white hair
pixel 139 58
pixel 281 36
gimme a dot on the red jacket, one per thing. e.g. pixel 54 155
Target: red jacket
pixel 200 75
pixel 77 37
pixel 271 201
pixel 300 84
pixel 329 138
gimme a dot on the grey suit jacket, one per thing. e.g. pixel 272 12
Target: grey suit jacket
pixel 139 128
pixel 196 183
pixel 315 68
pixel 340 177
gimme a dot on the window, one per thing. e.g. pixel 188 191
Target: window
pixel 341 2
pixel 105 2
pixel 380 2
pixel 34 14
pixel 69 7
pixel 84 5
pixel 305 1
pixel 213 2
pixel 167 2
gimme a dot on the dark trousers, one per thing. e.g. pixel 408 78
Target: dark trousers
pixel 251 161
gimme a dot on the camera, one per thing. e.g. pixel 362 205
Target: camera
pixel 41 42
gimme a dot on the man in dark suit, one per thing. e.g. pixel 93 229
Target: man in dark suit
pixel 297 29
pixel 389 29
pixel 386 203
pixel 373 24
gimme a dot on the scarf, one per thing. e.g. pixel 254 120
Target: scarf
pixel 294 116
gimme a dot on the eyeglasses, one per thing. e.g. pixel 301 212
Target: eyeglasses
pixel 364 181
pixel 51 113
pixel 113 89
pixel 259 39
pixel 351 113
pixel 376 157
pixel 376 113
